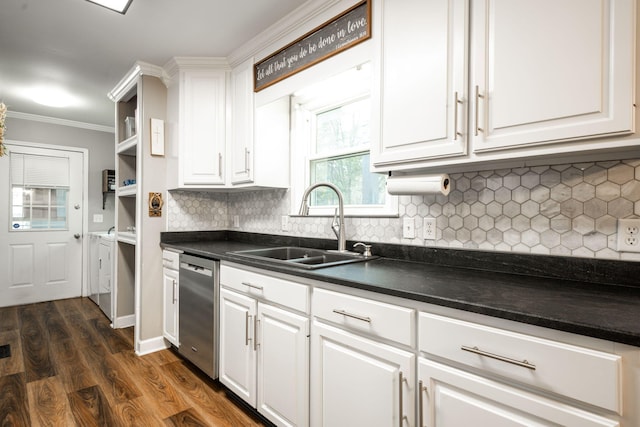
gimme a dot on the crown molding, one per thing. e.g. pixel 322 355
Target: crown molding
pixel 125 86
pixel 60 122
pixel 282 31
pixel 175 64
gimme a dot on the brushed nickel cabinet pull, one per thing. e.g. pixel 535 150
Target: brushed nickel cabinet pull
pixel 420 404
pixel 476 350
pixel 457 104
pixel 174 290
pixel 251 285
pixel 353 316
pixel 246 160
pixel 246 329
pixel 401 380
pixel 255 333
pixel 220 164
pixel 477 126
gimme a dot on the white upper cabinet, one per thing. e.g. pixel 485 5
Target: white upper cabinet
pixel 197 122
pixel 421 58
pixel 475 81
pixel 241 133
pixel 258 137
pixel 544 71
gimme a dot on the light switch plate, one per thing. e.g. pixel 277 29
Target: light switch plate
pixel 408 228
pixel 285 223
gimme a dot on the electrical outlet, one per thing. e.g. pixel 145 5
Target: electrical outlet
pixel 98 218
pixel 408 228
pixel 285 223
pixel 236 221
pixel 629 235
pixel 429 228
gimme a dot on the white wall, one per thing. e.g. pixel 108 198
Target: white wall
pixel 101 156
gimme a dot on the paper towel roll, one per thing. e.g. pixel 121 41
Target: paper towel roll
pixel 419 184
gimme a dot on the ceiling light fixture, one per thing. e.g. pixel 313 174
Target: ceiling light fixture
pixel 120 6
pixel 51 96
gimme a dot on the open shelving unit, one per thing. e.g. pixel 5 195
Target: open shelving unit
pixel 140 96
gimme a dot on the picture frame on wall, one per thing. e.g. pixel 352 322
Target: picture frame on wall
pixel 157 137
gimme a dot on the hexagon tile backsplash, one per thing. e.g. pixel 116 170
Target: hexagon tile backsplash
pixel 567 209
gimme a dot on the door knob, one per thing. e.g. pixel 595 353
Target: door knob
pixel 77 235
pixel 76 206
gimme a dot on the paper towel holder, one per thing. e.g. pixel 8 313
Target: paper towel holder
pixel 418 184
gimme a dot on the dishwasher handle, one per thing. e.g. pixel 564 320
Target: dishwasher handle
pixel 196 269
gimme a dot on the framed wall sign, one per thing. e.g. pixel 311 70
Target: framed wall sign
pixel 340 33
pixel 157 137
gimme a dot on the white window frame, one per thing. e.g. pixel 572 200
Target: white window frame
pixel 303 113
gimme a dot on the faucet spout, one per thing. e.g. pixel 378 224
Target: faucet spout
pixel 338 220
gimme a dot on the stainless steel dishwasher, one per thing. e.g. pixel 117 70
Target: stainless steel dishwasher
pixel 198 312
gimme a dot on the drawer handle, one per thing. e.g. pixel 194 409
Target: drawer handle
pixel 251 285
pixel 476 350
pixel 354 316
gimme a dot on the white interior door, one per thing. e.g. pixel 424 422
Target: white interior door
pixel 41 224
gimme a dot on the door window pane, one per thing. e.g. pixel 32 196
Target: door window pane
pixel 38 209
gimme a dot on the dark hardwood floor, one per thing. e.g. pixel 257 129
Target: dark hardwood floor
pixel 67 367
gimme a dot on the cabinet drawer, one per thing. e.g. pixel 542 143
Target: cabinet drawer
pixel 360 314
pixel 280 291
pixel 576 372
pixel 170 260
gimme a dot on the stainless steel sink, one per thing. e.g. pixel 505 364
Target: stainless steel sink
pixel 303 257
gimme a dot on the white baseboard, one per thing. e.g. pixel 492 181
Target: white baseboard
pixel 151 345
pixel 124 321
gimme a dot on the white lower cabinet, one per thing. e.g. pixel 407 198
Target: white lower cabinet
pixel 170 301
pixel 357 381
pixel 237 356
pixel 264 354
pixel 283 366
pixel 450 397
pixel 170 277
pixel 381 361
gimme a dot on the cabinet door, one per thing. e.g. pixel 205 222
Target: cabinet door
pixel 283 366
pixel 237 353
pixel 104 277
pixel 359 382
pixel 242 123
pixel 421 61
pixel 202 127
pixel 170 306
pixel 94 269
pixel 539 74
pixel 451 398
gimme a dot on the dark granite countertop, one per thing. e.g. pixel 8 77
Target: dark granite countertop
pixel 606 307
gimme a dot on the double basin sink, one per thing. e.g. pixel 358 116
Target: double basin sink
pixel 304 258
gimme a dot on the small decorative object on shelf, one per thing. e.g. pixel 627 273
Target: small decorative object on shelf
pixel 3 115
pixel 129 127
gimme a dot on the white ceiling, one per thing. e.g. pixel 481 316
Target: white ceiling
pixel 86 49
